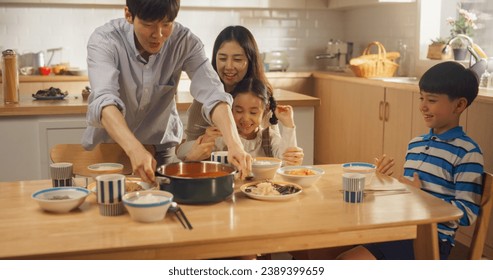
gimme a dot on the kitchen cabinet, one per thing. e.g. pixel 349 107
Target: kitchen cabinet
pixel 358 122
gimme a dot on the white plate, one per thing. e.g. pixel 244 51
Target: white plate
pixel 146 186
pixel 271 197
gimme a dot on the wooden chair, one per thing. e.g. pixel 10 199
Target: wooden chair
pixel 482 222
pixel 81 158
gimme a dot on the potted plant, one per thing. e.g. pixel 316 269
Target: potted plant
pixel 464 24
pixel 436 47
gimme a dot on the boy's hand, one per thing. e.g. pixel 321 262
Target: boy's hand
pixel 416 182
pixel 385 165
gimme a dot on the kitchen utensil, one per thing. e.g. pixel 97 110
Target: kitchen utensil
pixel 180 215
pixel 197 182
pixel 10 77
pixel 60 200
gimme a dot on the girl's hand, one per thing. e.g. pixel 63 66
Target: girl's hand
pixel 210 135
pixel 416 182
pixel 385 165
pixel 293 156
pixel 285 115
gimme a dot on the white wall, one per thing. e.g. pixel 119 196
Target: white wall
pixel 303 33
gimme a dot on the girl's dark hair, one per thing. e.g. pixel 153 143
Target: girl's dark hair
pixel 151 10
pixel 451 78
pixel 246 40
pixel 259 89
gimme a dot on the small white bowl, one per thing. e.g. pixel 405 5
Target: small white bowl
pixel 60 199
pixel 147 206
pixel 301 178
pixel 105 168
pixel 367 169
pixel 265 167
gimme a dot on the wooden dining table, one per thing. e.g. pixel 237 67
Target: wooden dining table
pixel 316 218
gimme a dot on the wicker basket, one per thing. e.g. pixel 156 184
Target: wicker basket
pixel 369 65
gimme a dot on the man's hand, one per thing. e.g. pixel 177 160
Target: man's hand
pixel 210 135
pixel 293 156
pixel 143 164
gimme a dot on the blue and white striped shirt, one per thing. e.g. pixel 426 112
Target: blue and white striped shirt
pixel 450 167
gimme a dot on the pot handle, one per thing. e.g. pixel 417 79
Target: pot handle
pixel 161 180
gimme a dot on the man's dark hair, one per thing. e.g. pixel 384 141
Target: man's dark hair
pixel 451 78
pixel 151 10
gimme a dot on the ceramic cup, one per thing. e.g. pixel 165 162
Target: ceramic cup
pixel 110 191
pixel 26 71
pixel 220 156
pixel 62 174
pixel 353 186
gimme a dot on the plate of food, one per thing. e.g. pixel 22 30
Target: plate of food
pixel 50 94
pixel 132 184
pixel 271 190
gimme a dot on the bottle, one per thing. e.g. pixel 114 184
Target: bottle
pixel 484 80
pixel 10 77
pixel 403 63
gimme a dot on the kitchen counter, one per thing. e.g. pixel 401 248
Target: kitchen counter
pixel 74 105
pixel 483 94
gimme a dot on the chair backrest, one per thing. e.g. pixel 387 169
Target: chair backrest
pixel 81 158
pixel 482 222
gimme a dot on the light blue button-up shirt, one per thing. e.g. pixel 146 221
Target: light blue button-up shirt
pixel 145 92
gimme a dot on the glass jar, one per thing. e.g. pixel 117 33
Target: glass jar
pixel 10 77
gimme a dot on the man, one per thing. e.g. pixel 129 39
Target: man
pixel 134 67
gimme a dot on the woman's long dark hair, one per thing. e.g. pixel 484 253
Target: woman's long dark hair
pixel 260 90
pixel 246 40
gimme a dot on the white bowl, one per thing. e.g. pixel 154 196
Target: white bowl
pixel 147 206
pixel 305 176
pixel 265 167
pixel 367 169
pixel 60 199
pixel 105 168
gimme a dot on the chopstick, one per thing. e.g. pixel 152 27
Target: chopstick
pixel 180 215
pixel 180 212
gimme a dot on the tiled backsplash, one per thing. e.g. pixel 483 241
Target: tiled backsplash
pixel 302 33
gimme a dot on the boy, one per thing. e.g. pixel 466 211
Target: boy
pixel 445 162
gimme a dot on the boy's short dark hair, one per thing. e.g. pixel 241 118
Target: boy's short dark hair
pixel 151 10
pixel 451 78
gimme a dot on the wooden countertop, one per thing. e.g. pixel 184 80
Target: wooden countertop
pixel 74 105
pixel 484 95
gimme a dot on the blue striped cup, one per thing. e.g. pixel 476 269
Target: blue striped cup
pixel 110 191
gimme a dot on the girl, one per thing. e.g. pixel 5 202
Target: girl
pixel 251 103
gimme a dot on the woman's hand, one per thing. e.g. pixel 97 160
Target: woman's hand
pixel 210 135
pixel 200 150
pixel 293 156
pixel 385 165
pixel 285 115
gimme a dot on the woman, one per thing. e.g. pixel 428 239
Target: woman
pixel 235 57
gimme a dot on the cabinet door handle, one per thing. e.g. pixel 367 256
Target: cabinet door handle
pixel 387 111
pixel 380 113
